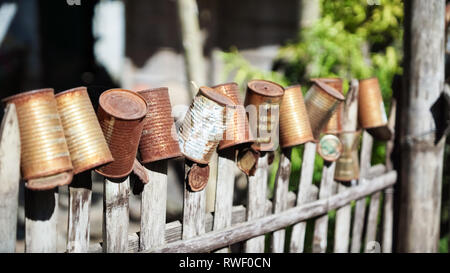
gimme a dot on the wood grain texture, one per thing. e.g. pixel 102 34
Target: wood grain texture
pixel 280 198
pixel 9 179
pixel 372 222
pixel 116 216
pixel 256 200
pixel 224 191
pixel 212 183
pixel 257 227
pixel 303 196
pixel 153 206
pixel 41 209
pixel 193 209
pixel 80 194
pixel 421 163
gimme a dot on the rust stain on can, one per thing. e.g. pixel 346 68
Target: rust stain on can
pixel 44 150
pixel 198 177
pixel 237 130
pixel 49 182
pixel 347 166
pixel 330 147
pixel 294 122
pixel 121 115
pixel 371 113
pixel 264 99
pixel 87 145
pixel 203 125
pixel 159 139
pixel 321 102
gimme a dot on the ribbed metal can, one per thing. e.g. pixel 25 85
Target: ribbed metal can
pixel 371 113
pixel 203 125
pixel 262 102
pixel 347 166
pixel 87 145
pixel 237 130
pixel 334 125
pixel 44 150
pixel 159 139
pixel 294 122
pixel 321 102
pixel 121 115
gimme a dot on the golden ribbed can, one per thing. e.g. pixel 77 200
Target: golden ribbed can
pixel 262 103
pixel 294 122
pixel 159 139
pixel 44 150
pixel 121 115
pixel 334 125
pixel 87 145
pixel 237 130
pixel 321 102
pixel 347 166
pixel 203 125
pixel 371 113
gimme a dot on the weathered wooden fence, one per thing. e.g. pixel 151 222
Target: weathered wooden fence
pixel 201 231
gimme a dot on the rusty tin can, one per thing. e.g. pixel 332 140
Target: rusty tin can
pixel 334 125
pixel 121 115
pixel 44 150
pixel 159 139
pixel 203 125
pixel 347 166
pixel 371 112
pixel 294 122
pixel 87 145
pixel 237 130
pixel 262 103
pixel 321 102
pixel 330 147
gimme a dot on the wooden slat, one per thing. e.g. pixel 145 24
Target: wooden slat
pixel 116 215
pixel 193 209
pixel 224 191
pixel 257 227
pixel 80 194
pixel 153 206
pixel 256 198
pixel 212 183
pixel 41 210
pixel 280 198
pixel 306 178
pixel 9 179
pixel 372 221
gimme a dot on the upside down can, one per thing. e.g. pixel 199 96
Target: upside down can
pixel 294 122
pixel 87 145
pixel 262 103
pixel 44 150
pixel 121 115
pixel 159 139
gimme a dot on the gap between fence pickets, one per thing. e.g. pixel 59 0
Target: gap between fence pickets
pixel 253 228
pixel 173 229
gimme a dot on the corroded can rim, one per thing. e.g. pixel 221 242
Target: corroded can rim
pixel 76 89
pixel 225 85
pixel 272 89
pixel 142 112
pixel 235 143
pixel 216 97
pixel 27 93
pixel 329 89
pixel 114 176
pixel 144 91
pixel 339 148
pixel 167 156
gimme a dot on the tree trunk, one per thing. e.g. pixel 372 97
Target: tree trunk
pixel 422 158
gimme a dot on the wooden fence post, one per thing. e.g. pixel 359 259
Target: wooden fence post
pixel 116 215
pixel 256 199
pixel 422 159
pixel 9 179
pixel 153 206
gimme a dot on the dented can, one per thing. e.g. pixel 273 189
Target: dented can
pixel 371 113
pixel 262 102
pixel 159 139
pixel 347 166
pixel 237 130
pixel 334 125
pixel 203 125
pixel 321 102
pixel 44 150
pixel 294 122
pixel 87 145
pixel 121 115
